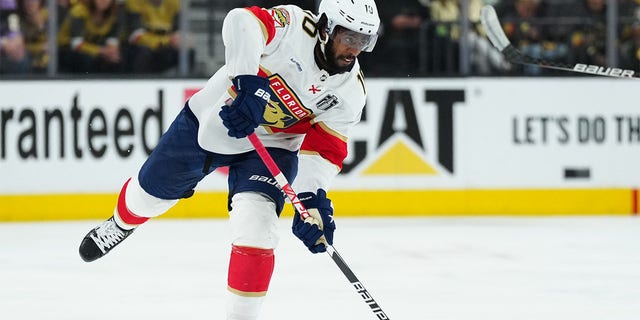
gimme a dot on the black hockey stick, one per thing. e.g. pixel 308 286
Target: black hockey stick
pixel 368 299
pixel 297 204
pixel 496 35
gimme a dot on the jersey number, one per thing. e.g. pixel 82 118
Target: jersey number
pixel 368 9
pixel 309 26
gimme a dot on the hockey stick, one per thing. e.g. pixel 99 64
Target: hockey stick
pixel 496 35
pixel 297 204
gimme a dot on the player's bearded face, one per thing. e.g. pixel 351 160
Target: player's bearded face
pixel 340 59
pixel 344 46
pixel 340 56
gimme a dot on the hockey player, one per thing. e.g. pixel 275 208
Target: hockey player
pixel 293 78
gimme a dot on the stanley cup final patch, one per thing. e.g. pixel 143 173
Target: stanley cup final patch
pixel 327 102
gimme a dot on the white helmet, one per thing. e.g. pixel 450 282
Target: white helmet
pixel 360 16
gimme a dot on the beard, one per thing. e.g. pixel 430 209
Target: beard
pixel 332 59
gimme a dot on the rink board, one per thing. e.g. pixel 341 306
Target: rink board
pixel 441 147
pixel 352 204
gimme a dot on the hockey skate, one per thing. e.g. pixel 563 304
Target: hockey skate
pixel 102 239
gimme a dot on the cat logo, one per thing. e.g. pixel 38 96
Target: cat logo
pixel 280 17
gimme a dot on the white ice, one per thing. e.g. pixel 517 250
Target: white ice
pixel 584 268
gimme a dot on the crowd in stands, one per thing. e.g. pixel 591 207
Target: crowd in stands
pixel 94 36
pixel 418 37
pixel 423 37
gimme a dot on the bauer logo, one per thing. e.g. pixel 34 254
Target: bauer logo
pixel 602 71
pixel 267 180
pixel 370 301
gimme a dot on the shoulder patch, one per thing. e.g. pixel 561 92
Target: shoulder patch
pixel 281 17
pixel 327 102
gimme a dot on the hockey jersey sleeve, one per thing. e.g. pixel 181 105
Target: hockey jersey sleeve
pixel 245 34
pixel 324 147
pixel 320 158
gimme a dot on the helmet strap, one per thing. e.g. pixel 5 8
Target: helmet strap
pixel 323 35
pixel 321 48
pixel 321 27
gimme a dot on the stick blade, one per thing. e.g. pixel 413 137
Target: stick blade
pixel 492 27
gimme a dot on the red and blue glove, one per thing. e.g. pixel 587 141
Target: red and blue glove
pixel 246 112
pixel 316 232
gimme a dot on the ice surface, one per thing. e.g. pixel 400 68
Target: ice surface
pixel 585 268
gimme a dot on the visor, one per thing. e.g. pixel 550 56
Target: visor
pixel 353 39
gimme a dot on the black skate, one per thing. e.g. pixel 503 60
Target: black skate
pixel 102 239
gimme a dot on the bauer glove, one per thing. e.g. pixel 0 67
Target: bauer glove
pixel 316 232
pixel 246 112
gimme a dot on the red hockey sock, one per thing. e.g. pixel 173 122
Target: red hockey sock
pixel 250 270
pixel 127 216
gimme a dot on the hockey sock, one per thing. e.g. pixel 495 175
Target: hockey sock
pixel 250 271
pixel 124 218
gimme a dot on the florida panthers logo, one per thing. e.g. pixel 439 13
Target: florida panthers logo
pixel 275 116
pixel 284 109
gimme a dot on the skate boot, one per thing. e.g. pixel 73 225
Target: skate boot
pixel 102 239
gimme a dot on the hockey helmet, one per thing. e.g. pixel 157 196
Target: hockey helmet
pixel 359 18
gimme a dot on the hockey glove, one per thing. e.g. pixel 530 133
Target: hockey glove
pixel 246 112
pixel 316 232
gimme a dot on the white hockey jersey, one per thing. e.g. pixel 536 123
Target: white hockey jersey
pixel 310 110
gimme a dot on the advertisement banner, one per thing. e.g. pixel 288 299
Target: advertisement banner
pixel 486 139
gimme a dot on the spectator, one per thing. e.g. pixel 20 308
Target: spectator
pixel 522 26
pixel 401 21
pixel 483 58
pixel 630 27
pixel 446 34
pixel 13 53
pixel 62 8
pixel 154 36
pixel 34 16
pixel 589 40
pixel 523 30
pixel 630 49
pixel 89 40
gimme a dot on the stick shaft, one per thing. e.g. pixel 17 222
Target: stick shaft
pixel 335 256
pixel 499 40
pixel 516 56
pixel 355 282
pixel 278 175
